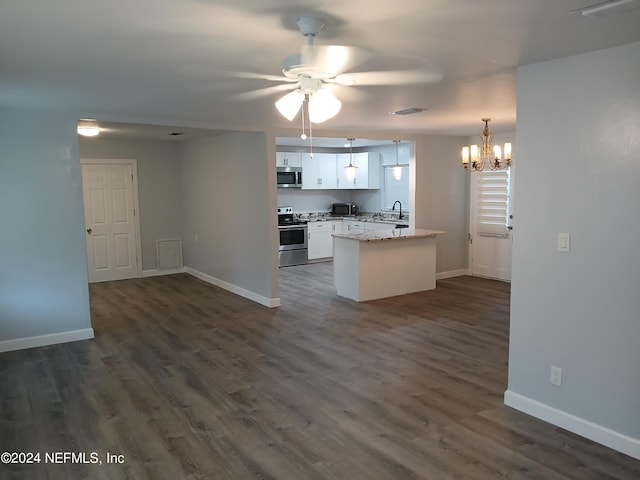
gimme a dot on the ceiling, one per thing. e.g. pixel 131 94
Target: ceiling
pixel 174 63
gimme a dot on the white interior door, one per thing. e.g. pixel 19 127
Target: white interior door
pixel 110 220
pixel 490 224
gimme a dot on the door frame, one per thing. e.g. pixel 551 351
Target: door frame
pixel 132 162
pixel 474 236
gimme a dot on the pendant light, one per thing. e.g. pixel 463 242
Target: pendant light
pixel 350 170
pixel 397 169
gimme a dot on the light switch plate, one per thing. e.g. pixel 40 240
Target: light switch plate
pixel 564 242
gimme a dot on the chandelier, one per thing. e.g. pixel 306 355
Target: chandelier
pixel 486 156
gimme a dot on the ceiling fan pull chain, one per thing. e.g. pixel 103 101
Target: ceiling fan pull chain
pixel 304 135
pixel 310 131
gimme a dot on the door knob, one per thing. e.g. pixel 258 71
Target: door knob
pixel 89 230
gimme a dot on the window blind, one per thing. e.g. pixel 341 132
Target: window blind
pixel 492 201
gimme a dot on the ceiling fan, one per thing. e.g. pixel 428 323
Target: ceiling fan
pixel 313 72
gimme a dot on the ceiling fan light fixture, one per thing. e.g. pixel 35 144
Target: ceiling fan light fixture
pixel 289 105
pixel 323 105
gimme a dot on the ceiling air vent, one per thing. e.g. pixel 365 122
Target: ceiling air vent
pixel 606 8
pixel 408 111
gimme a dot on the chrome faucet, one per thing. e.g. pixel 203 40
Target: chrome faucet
pixel 394 207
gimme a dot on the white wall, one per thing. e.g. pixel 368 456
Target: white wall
pixel 229 201
pixel 44 296
pixel 578 161
pixel 158 186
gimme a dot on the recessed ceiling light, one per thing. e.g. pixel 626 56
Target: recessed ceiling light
pixel 88 127
pixel 408 111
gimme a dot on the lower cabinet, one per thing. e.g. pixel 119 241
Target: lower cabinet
pixel 353 226
pixel 320 240
pixel 320 244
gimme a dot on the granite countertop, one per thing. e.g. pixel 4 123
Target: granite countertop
pixel 366 217
pixel 391 234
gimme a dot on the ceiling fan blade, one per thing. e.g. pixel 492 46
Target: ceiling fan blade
pixel 332 59
pixel 212 72
pixel 264 92
pixel 391 77
pixel 262 76
pixel 348 94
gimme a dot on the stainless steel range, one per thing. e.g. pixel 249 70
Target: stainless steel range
pixel 292 249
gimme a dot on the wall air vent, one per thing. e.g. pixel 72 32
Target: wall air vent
pixel 408 111
pixel 169 254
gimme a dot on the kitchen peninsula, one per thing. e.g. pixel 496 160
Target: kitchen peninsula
pixel 384 263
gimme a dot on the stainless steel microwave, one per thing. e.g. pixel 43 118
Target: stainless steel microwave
pixel 344 209
pixel 289 177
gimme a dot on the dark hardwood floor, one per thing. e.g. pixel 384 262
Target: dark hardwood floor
pixel 187 381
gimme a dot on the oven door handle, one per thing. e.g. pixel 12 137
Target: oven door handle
pixel 292 227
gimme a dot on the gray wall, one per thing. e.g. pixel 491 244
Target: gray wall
pixel 578 162
pixel 442 198
pixel 158 186
pixel 229 199
pixel 43 267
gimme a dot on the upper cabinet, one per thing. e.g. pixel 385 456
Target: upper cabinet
pixel 325 171
pixel 319 171
pixel 389 155
pixel 367 170
pixel 288 159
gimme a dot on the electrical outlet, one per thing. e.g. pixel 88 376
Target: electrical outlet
pixel 555 376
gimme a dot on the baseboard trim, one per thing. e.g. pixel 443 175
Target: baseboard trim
pixel 452 273
pixel 603 435
pixel 44 340
pixel 243 292
pixel 156 273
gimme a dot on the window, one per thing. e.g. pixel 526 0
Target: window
pixel 396 189
pixel 492 201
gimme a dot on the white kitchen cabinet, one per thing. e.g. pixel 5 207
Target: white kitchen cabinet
pixel 404 153
pixel 358 226
pixel 288 159
pixel 367 171
pixel 380 226
pixel 353 226
pixel 319 171
pixel 320 240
